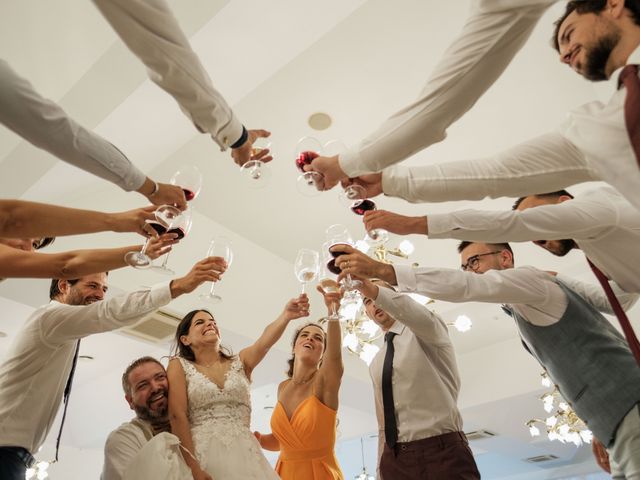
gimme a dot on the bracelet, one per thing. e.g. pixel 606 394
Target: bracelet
pixel 155 189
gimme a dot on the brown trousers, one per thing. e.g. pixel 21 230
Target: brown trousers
pixel 444 457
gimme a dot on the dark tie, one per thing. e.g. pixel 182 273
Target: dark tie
pixel 634 345
pixel 67 391
pixel 629 78
pixel 390 425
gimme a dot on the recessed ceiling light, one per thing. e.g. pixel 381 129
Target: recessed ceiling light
pixel 319 121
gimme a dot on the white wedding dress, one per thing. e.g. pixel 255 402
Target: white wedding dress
pixel 220 429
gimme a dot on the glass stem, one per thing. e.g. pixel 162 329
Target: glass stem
pixel 166 257
pixel 144 247
pixel 303 285
pixel 211 290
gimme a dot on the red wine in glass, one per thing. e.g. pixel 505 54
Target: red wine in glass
pixel 188 194
pixel 333 268
pixel 179 232
pixel 305 158
pixel 158 227
pixel 362 206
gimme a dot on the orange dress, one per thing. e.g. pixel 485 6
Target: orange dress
pixel 306 441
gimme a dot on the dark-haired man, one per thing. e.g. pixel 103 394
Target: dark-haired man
pixel 565 333
pixel 146 390
pixel 594 143
pixel 39 363
pixel 600 222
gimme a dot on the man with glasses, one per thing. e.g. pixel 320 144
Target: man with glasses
pixel 561 329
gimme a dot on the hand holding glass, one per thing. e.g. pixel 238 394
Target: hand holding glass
pixel 219 247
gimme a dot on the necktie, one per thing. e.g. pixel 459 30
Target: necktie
pixel 390 425
pixel 629 78
pixel 67 391
pixel 634 345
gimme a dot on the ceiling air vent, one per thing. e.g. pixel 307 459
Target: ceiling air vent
pixel 541 458
pixel 479 435
pixel 157 327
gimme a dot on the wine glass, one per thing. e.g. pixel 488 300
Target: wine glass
pixel 181 229
pixel 306 150
pixel 256 173
pixel 329 285
pixel 166 217
pixel 355 197
pixel 219 247
pixel 189 179
pixel 307 266
pixel 339 235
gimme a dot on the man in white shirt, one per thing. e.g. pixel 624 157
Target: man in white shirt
pixel 425 383
pixel 492 35
pixel 39 362
pixel 562 330
pixel 593 144
pixel 146 390
pixel 600 222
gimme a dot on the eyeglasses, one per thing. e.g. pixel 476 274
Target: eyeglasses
pixel 473 262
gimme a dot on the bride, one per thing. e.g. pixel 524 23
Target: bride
pixel 209 399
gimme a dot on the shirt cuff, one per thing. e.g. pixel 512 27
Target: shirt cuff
pixel 439 225
pixel 349 162
pixel 229 135
pixel 405 278
pixel 161 294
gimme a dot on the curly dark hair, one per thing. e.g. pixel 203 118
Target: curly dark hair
pixel 185 351
pixel 292 360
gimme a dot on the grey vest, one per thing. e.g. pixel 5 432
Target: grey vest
pixel 589 361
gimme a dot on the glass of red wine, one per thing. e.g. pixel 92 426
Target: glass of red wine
pixel 306 150
pixel 255 171
pixel 166 217
pixel 355 196
pixel 339 235
pixel 181 230
pixel 189 179
pixel 218 247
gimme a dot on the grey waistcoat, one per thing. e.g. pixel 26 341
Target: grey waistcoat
pixel 589 361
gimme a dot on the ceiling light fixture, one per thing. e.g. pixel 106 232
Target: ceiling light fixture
pixel 319 121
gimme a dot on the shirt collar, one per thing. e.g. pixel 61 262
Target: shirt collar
pixel 397 328
pixel 633 59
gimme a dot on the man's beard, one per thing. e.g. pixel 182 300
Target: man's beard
pixel 565 247
pixel 76 298
pixel 598 55
pixel 144 412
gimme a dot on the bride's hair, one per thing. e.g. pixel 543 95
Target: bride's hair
pixel 292 360
pixel 184 351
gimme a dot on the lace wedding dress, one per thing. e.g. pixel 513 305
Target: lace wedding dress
pixel 220 429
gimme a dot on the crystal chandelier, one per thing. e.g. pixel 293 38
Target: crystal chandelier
pixel 39 471
pixel 364 475
pixel 564 425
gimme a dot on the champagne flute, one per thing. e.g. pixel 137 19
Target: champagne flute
pixel 166 217
pixel 355 197
pixel 256 173
pixel 219 247
pixel 189 179
pixel 181 230
pixel 307 266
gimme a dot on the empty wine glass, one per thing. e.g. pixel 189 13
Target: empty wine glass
pixel 307 266
pixel 166 217
pixel 189 179
pixel 355 197
pixel 181 229
pixel 256 172
pixel 219 247
pixel 329 285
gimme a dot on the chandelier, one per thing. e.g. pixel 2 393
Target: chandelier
pixel 564 425
pixel 364 475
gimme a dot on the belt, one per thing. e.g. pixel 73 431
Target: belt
pixel 23 455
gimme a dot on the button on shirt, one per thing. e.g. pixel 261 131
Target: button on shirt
pixel 425 378
pixel 603 224
pixel 37 365
pixel 593 144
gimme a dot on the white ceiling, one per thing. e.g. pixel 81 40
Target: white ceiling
pixel 277 62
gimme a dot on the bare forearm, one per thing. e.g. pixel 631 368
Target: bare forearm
pixel 272 333
pixel 270 442
pixel 333 354
pixel 180 428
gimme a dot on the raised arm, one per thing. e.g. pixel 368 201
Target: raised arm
pixel 332 368
pixel 253 354
pixel 179 417
pixel 16 263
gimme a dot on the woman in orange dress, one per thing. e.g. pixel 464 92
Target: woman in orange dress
pixel 303 423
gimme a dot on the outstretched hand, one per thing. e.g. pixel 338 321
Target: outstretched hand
pixel 331 293
pixel 246 152
pixel 372 183
pixel 330 169
pixel 296 308
pixel 354 262
pixel 159 245
pixel 394 222
pixel 209 269
pixel 169 195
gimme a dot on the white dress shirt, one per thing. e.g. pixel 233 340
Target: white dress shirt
pixel 122 445
pixel 425 378
pixel 153 34
pixel 494 32
pixel 593 144
pixel 44 124
pixel 602 223
pixel 36 368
